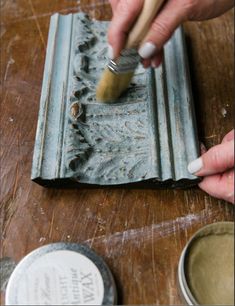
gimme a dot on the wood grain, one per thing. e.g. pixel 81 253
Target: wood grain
pixel 140 233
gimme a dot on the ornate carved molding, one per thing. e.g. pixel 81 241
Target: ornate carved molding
pixel 149 135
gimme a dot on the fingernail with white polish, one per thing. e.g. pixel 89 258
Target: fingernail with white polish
pixel 153 64
pixel 147 50
pixel 110 52
pixel 195 165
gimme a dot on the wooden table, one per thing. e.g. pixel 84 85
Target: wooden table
pixel 140 233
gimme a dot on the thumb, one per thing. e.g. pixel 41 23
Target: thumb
pixel 169 18
pixel 217 160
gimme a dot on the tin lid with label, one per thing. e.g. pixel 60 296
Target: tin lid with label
pixel 61 274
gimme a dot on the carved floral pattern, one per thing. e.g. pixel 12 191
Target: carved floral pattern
pixel 108 144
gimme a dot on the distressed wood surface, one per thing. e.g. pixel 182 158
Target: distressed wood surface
pixel 140 233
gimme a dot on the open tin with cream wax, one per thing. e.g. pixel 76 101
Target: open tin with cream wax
pixel 206 266
pixel 61 274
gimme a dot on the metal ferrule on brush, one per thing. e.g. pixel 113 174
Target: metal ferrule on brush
pixel 126 62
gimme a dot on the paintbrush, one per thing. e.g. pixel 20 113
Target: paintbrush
pixel 119 72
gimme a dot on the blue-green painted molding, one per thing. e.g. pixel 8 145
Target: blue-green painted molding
pixel 148 135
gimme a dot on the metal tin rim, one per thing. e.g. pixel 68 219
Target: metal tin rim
pixel 107 277
pixel 184 288
pixel 182 281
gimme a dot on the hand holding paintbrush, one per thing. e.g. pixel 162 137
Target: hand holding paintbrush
pixel 120 70
pixel 142 27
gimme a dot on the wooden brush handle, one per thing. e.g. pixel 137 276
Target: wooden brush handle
pixel 141 27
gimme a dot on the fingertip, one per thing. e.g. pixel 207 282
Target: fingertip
pixel 153 64
pixel 146 63
pixel 157 60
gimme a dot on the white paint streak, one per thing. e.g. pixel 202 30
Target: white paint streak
pixel 152 232
pixel 153 256
pixel 10 62
pixel 37 23
pixel 92 240
pixel 66 10
pixel 2 31
pixel 12 41
pixel 93 5
pixel 63 11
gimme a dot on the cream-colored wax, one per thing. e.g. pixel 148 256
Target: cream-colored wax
pixel 210 269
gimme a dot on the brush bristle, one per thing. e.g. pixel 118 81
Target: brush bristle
pixel 112 85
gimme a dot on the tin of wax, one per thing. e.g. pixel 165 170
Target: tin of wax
pixel 206 267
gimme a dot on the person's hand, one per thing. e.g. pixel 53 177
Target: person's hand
pixel 172 14
pixel 217 167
